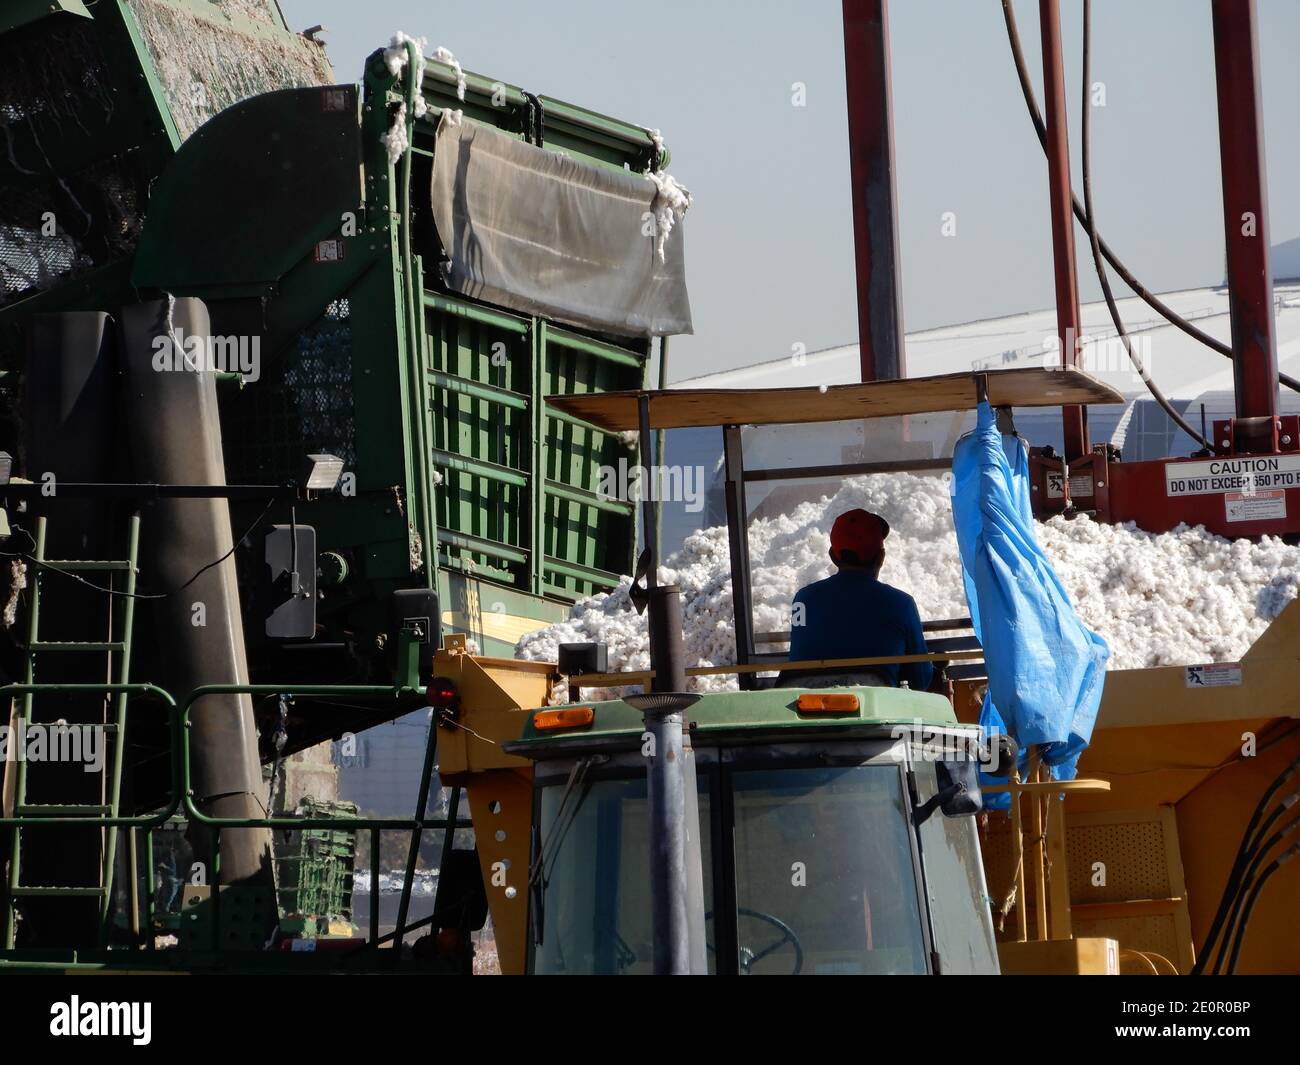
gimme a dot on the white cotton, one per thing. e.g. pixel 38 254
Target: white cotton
pixel 395 140
pixel 1180 597
pixel 444 55
pixel 395 56
pixel 17 585
pixel 670 205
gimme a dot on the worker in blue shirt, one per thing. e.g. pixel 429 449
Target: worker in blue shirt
pixel 853 614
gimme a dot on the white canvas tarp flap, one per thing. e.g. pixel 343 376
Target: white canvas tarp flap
pixel 540 232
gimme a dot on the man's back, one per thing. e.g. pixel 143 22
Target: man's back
pixel 851 614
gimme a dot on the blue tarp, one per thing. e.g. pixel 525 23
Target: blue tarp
pixel 1045 667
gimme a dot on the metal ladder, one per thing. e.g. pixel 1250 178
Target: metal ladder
pixel 113 731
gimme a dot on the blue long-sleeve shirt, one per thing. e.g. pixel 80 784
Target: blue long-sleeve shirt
pixel 851 614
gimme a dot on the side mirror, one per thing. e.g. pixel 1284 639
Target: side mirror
pixel 962 777
pixel 959 791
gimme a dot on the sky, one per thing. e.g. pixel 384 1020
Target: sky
pixel 769 242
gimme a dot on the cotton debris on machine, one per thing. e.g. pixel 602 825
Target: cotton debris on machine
pixel 207 63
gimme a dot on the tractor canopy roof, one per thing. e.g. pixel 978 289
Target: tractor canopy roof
pixel 681 408
pixel 772 715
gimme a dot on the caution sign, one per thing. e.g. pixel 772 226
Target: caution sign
pixel 1255 506
pixel 1214 675
pixel 1248 475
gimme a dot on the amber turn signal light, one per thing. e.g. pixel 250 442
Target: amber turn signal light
pixel 569 717
pixel 820 703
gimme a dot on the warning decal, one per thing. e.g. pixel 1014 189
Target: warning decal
pixel 1215 675
pixel 1255 506
pixel 1245 474
pixel 329 251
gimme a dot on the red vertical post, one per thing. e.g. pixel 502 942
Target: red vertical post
pixel 871 160
pixel 1074 420
pixel 1245 212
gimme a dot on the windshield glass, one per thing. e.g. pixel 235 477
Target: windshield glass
pixel 825 881
pixel 825 876
pixel 596 901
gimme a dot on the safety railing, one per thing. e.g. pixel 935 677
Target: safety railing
pixel 181 801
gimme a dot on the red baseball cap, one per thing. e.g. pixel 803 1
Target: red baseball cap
pixel 860 532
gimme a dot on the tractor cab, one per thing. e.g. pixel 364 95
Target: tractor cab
pixel 836 835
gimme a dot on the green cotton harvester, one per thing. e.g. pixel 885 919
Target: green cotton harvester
pixel 275 354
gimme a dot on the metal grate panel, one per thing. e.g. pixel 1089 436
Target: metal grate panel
pixel 1134 857
pixel 59 221
pixel 302 405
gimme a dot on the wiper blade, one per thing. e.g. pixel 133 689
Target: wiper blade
pixel 546 852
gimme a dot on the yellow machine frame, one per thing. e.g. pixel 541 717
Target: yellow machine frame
pixel 1135 853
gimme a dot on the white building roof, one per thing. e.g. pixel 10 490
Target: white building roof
pixel 1183 368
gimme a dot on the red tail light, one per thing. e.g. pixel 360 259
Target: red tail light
pixel 442 694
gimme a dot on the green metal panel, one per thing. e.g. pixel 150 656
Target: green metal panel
pixel 20 12
pixel 254 189
pixel 567 128
pixel 584 532
pixel 491 434
pixel 578 131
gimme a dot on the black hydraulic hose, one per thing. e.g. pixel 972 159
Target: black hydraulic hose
pixel 1272 868
pixel 1090 224
pixel 1244 853
pixel 1148 297
pixel 1248 878
pixel 1226 914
